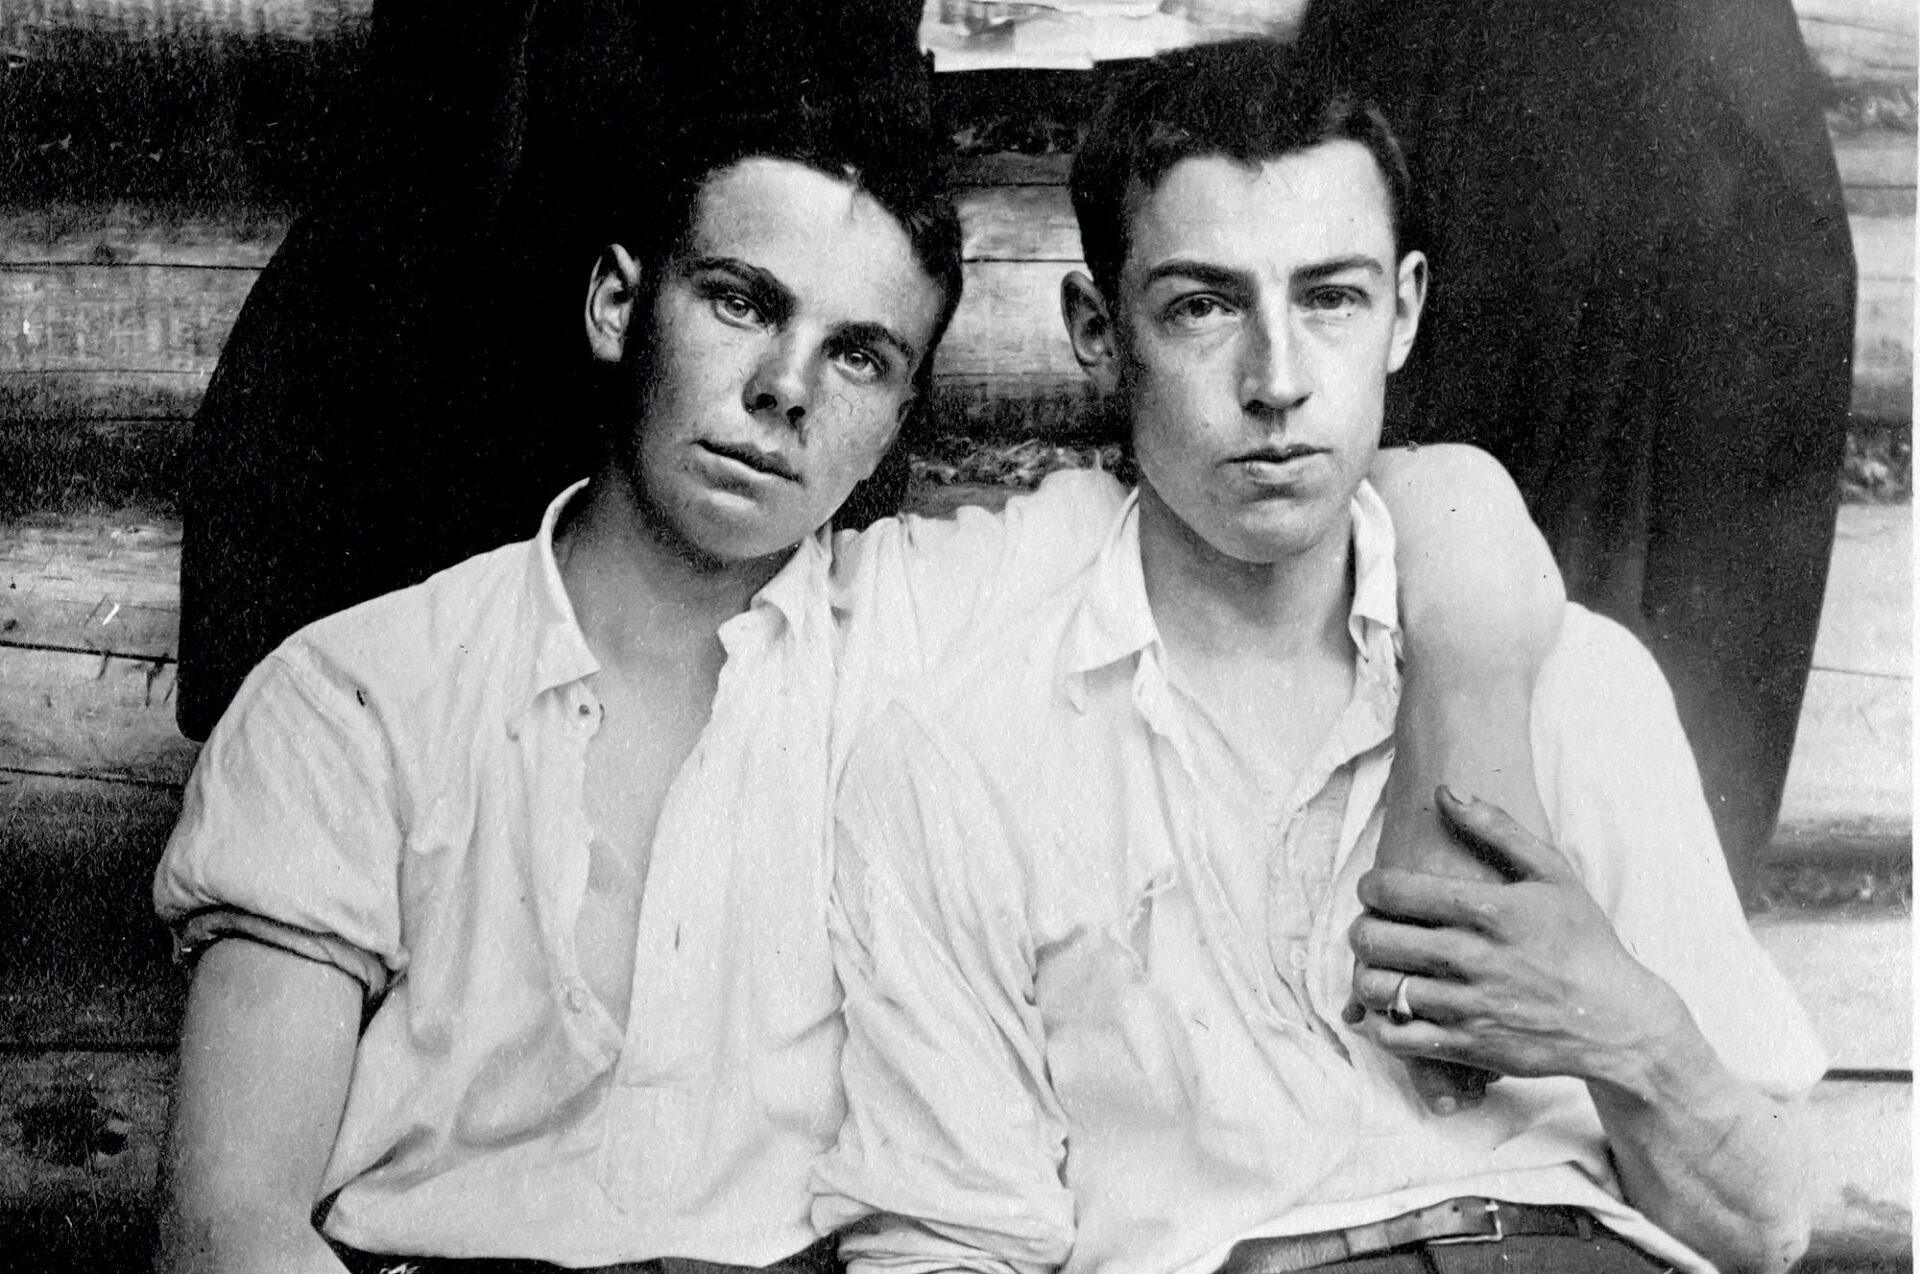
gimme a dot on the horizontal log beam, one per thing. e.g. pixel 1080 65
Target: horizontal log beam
pixel 88 965
pixel 93 584
pixel 55 469
pixel 141 339
pixel 1854 975
pixel 90 716
pixel 187 19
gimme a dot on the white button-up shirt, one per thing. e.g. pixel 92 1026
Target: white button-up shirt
pixel 398 791
pixel 1094 966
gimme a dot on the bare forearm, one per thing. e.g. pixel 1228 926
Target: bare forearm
pixel 1481 607
pixel 1466 729
pixel 265 1057
pixel 1708 1158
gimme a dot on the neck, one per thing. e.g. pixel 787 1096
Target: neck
pixel 1215 607
pixel 638 590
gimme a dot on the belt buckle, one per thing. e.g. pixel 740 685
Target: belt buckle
pixel 1499 1231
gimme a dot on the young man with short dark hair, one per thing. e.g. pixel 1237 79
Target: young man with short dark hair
pixel 509 890
pixel 549 821
pixel 1101 881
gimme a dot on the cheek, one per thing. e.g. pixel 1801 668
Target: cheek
pixel 856 431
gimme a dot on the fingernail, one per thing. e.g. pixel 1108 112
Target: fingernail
pixel 1446 792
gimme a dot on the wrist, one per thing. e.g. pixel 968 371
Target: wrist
pixel 1668 1064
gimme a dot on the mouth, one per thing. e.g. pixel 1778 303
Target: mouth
pixel 768 463
pixel 1277 455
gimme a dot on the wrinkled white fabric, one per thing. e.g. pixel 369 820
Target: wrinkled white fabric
pixel 1075 1037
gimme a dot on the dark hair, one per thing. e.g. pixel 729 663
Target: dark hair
pixel 1247 100
pixel 884 154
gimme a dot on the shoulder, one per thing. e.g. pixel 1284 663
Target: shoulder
pixel 390 641
pixel 1061 522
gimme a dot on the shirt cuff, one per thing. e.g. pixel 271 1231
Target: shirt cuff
pixel 202 929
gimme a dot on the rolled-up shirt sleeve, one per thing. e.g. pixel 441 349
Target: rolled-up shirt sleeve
pixel 289 832
pixel 1629 808
pixel 953 1141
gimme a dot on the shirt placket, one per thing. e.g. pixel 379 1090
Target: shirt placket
pixel 1225 937
pixel 565 838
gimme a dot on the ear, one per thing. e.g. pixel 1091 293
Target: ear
pixel 1091 332
pixel 612 292
pixel 1409 299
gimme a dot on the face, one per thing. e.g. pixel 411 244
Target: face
pixel 1261 310
pixel 779 357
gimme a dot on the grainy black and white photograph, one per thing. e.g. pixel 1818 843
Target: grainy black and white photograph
pixel 919 636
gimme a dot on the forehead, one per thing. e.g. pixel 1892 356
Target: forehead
pixel 1325 202
pixel 844 258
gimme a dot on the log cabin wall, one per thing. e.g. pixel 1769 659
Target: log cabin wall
pixel 151 155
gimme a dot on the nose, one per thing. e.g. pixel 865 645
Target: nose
pixel 779 383
pixel 1274 376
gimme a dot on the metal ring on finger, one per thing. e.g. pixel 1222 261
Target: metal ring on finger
pixel 1400 1012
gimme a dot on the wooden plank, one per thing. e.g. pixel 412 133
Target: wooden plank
pixel 1019 223
pixel 1876 158
pixel 1883 350
pixel 123 233
pixel 1854 976
pixel 96 584
pixel 1862 1163
pixel 1008 325
pixel 104 394
pixel 80 1137
pixel 1883 247
pixel 88 965
pixel 184 19
pixel 132 470
pixel 1855 41
pixel 1866 619
pixel 1852 772
pixel 117 318
pixel 90 716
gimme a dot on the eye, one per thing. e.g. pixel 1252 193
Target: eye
pixel 735 306
pixel 1196 310
pixel 1334 301
pixel 863 363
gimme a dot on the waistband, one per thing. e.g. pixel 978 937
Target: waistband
pixel 1438 1238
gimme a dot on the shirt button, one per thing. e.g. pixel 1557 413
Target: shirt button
pixel 577 999
pixel 1297 957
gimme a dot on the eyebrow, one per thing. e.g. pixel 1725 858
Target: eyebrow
pixel 777 297
pixel 771 294
pixel 881 334
pixel 1220 277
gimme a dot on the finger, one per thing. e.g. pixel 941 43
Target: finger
pixel 1501 842
pixel 1374 989
pixel 1418 1038
pixel 1453 954
pixel 1427 999
pixel 1424 898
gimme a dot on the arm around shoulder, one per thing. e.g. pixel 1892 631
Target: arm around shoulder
pixel 265 1059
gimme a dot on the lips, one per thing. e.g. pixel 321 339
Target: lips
pixel 1277 455
pixel 770 463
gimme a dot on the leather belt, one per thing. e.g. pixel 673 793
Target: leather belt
pixel 1463 1220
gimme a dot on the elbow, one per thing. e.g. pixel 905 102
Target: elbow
pixel 1769 1245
